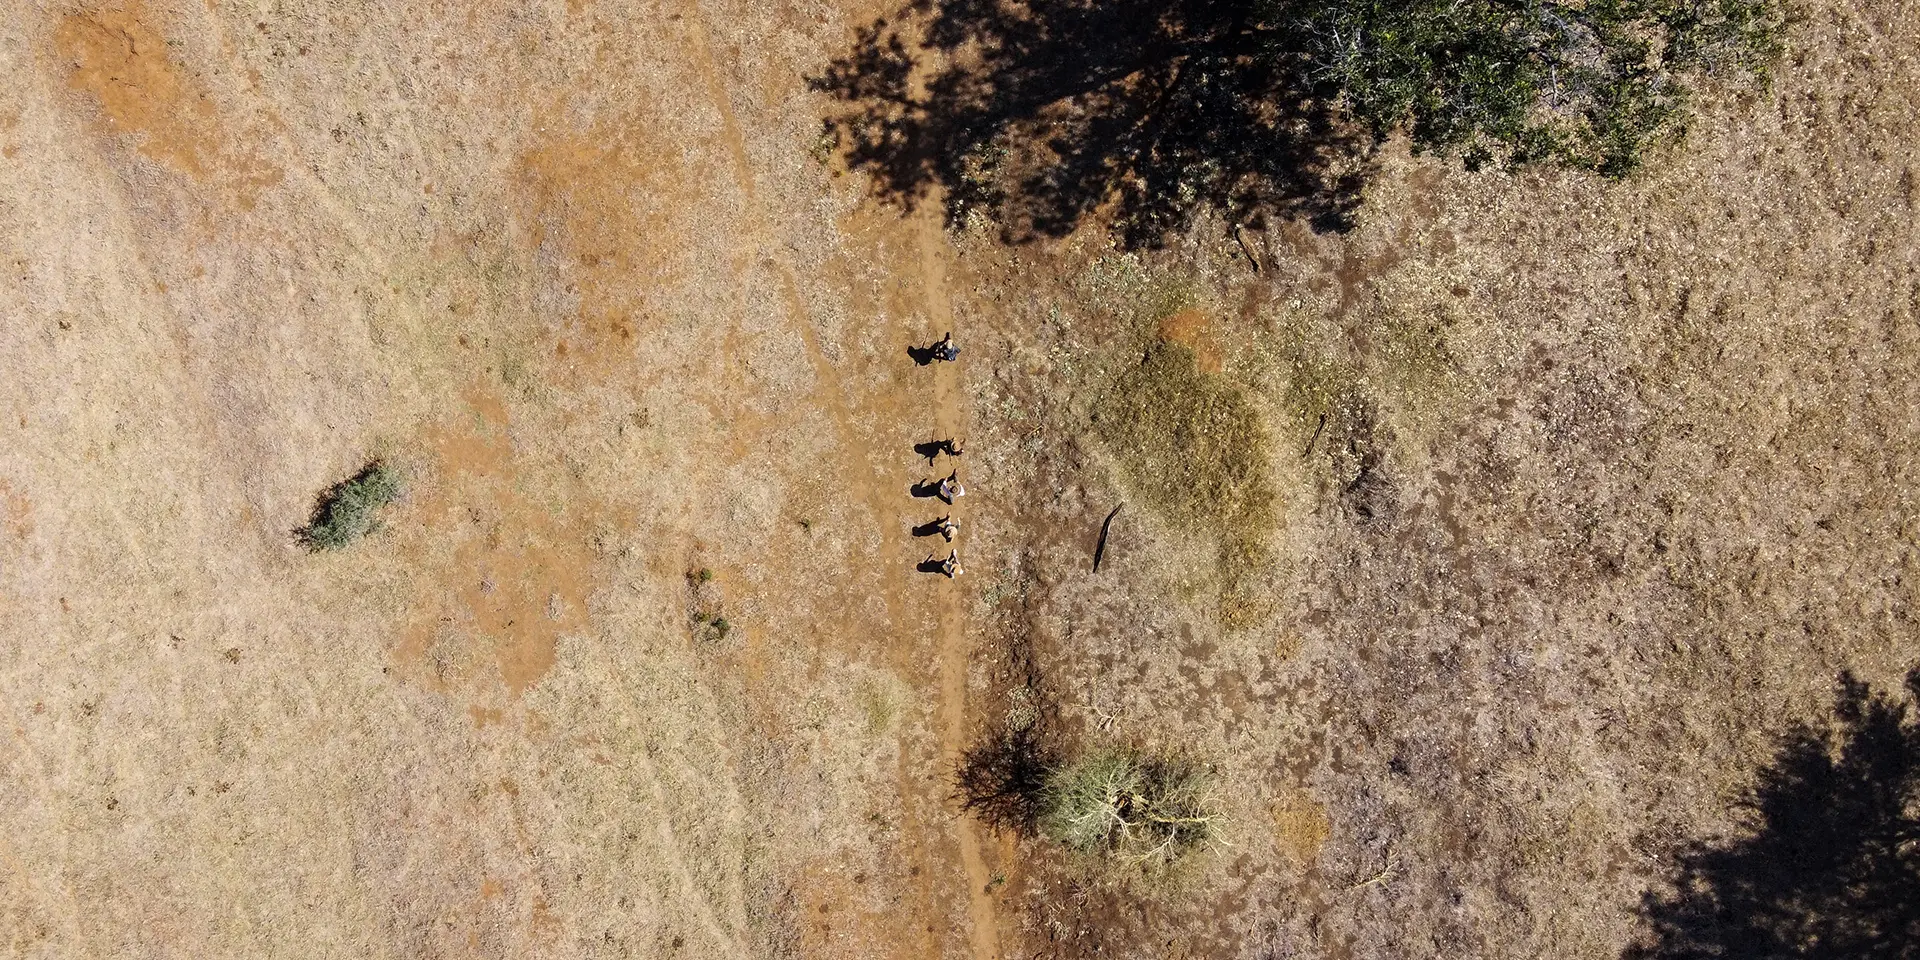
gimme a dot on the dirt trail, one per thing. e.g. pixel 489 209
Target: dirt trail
pixel 884 499
pixel 950 421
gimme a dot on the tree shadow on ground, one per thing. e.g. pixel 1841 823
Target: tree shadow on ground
pixel 1047 112
pixel 1001 778
pixel 1830 867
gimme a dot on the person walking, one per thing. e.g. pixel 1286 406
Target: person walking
pixel 945 350
pixel 950 488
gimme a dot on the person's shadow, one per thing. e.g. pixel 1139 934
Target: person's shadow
pixel 923 356
pixel 929 529
pixel 931 449
pixel 932 565
pixel 925 489
pixel 1829 867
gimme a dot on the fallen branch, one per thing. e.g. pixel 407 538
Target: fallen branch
pixel 1100 549
pixel 1240 237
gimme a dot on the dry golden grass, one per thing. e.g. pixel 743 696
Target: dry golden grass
pixel 1191 446
pixel 1649 448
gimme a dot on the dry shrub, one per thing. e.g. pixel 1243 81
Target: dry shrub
pixel 1140 809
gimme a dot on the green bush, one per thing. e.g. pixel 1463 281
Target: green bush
pixel 347 510
pixel 1140 809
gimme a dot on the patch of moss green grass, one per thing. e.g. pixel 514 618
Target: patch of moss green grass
pixel 1191 445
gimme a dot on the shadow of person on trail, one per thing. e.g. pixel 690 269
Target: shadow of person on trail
pixel 1830 867
pixel 941 527
pixel 941 349
pixel 932 449
pixel 1042 113
pixel 947 488
pixel 947 566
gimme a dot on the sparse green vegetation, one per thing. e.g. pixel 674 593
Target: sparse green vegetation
pixel 1191 445
pixel 1586 83
pixel 705 620
pixel 878 708
pixel 1140 809
pixel 708 626
pixel 349 509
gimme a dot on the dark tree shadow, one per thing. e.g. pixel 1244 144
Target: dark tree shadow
pixel 1050 111
pixel 1001 778
pixel 1831 865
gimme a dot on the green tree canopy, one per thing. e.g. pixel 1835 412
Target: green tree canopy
pixel 1587 83
pixel 1044 112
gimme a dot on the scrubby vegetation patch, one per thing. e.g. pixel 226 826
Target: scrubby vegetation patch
pixel 1192 446
pixel 350 509
pixel 1138 808
pixel 1593 85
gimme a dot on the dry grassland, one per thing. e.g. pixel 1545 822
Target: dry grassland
pixel 1527 516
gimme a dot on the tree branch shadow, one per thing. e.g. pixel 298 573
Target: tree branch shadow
pixel 1047 113
pixel 1830 867
pixel 1001 778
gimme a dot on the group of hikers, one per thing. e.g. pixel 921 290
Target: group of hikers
pixel 949 488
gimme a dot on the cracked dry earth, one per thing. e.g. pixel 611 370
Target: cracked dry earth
pixel 1584 493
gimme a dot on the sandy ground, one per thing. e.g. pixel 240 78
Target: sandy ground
pixel 580 269
pixel 573 268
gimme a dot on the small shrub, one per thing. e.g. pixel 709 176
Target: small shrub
pixel 348 510
pixel 704 576
pixel 706 625
pixel 1139 809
